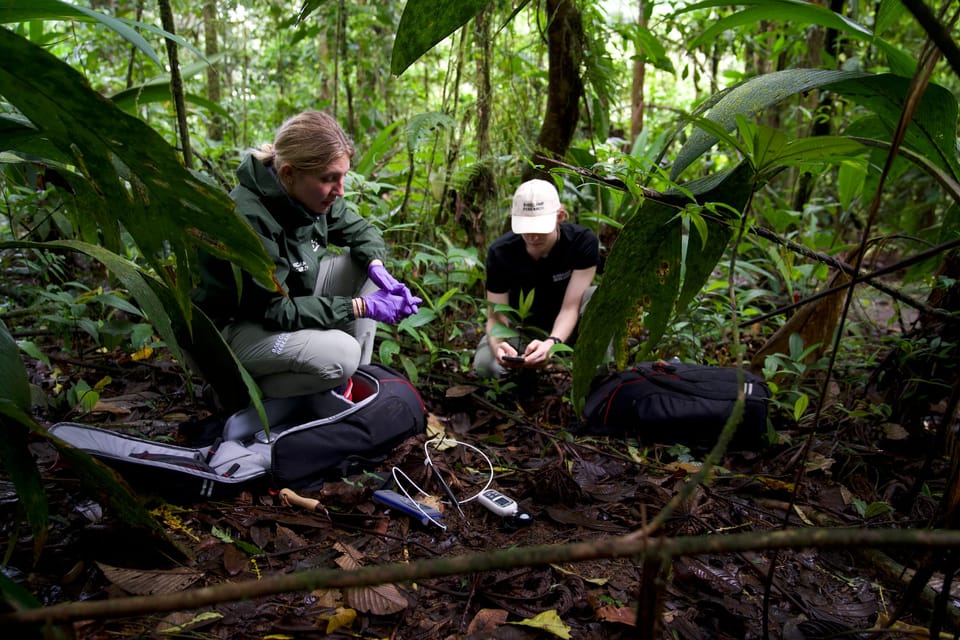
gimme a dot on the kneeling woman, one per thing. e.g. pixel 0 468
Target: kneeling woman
pixel 328 258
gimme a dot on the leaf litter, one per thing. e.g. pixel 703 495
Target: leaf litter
pixel 577 489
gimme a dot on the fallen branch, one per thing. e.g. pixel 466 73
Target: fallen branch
pixel 604 548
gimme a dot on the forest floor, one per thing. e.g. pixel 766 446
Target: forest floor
pixel 575 488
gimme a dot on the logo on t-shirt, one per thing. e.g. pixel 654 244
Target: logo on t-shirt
pixel 560 277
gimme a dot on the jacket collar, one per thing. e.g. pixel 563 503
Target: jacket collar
pixel 265 184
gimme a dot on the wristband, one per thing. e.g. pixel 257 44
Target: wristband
pixel 555 339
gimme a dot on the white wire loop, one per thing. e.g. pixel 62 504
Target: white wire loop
pixel 439 440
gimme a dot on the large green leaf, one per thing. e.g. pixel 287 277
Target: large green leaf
pixel 795 12
pixel 762 10
pixel 650 240
pixel 702 254
pixel 18 463
pixel 15 388
pixel 25 10
pixel 424 23
pixel 16 132
pixel 128 99
pixel 141 184
pixel 158 90
pixel 748 98
pixel 14 452
pixel 933 129
pixel 644 269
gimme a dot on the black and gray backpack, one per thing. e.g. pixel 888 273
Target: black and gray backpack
pixel 310 438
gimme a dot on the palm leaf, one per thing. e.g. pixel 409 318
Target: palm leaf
pixel 158 90
pixel 137 178
pixel 749 98
pixel 19 11
pixel 931 133
pixel 933 128
pixel 754 12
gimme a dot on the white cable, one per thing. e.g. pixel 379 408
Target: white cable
pixel 439 440
pixel 397 471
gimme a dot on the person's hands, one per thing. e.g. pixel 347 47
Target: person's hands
pixel 504 352
pixel 382 278
pixel 537 353
pixel 384 306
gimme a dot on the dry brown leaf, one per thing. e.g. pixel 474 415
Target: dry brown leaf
pixel 814 322
pixel 819 462
pixel 460 390
pixel 622 615
pixel 125 404
pixel 437 429
pixel 432 501
pixel 380 600
pixel 686 467
pixel 234 560
pixel 351 558
pixel 287 539
pixel 894 431
pixel 144 583
pixel 327 598
pixel 564 515
pixel 486 622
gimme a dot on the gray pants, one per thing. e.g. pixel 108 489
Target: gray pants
pixel 292 363
pixel 485 363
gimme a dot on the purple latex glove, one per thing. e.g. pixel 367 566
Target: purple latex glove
pixel 384 306
pixel 382 278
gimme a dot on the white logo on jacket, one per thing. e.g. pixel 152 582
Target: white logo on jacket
pixel 280 343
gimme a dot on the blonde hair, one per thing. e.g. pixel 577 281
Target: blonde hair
pixel 308 141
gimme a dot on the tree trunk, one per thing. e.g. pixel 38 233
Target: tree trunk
pixel 564 85
pixel 176 83
pixel 824 106
pixel 211 48
pixel 133 49
pixel 637 97
pixel 484 92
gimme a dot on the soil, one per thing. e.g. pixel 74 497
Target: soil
pixel 575 488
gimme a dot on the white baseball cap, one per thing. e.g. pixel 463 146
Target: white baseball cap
pixel 535 207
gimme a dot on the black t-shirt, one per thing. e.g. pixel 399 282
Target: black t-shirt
pixel 510 269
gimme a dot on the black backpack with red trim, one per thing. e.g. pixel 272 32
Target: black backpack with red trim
pixel 676 402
